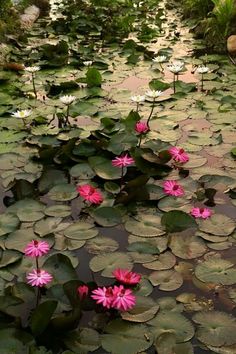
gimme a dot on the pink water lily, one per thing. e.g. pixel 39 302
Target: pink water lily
pixel 141 127
pixel 36 248
pixel 38 277
pixel 90 193
pixel 103 296
pixel 126 277
pixel 202 213
pixel 178 154
pixel 122 161
pixel 173 188
pixel 123 299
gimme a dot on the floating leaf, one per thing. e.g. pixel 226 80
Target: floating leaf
pixel 106 216
pixel 215 328
pixel 59 211
pixel 172 322
pixel 218 224
pixel 82 341
pixel 177 220
pixel 101 244
pixel 123 337
pixel 187 246
pixel 8 223
pixel 81 231
pixel 41 316
pixel 104 168
pixel 62 192
pixel 108 262
pixel 144 310
pixel 167 280
pixel 165 261
pixel 217 271
pixel 83 171
pixel 60 267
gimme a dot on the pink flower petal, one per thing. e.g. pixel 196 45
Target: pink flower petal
pixel 173 188
pixel 36 248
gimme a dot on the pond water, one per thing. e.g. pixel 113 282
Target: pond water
pixel 186 298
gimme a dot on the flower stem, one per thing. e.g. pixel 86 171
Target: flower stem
pixel 122 175
pixel 37 263
pixel 150 115
pixel 34 87
pixel 38 296
pixel 140 140
pixel 202 83
pixel 67 114
pixel 137 108
pixel 174 86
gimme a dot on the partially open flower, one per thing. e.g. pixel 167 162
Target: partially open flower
pixel 122 161
pixel 90 193
pixel 202 70
pixel 32 69
pixel 141 127
pixel 88 63
pixel 138 98
pixel 153 94
pixel 126 277
pixel 176 67
pixel 159 59
pixel 83 291
pixel 178 154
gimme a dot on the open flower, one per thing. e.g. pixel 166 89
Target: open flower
pixel 123 299
pixel 159 59
pixel 141 127
pixel 122 161
pixel 90 193
pixel 32 69
pixel 88 63
pixel 202 69
pixel 22 114
pixel 138 98
pixel 178 154
pixel 176 67
pixel 153 94
pixel 83 291
pixel 67 99
pixel 36 248
pixel 38 277
pixel 202 213
pixel 173 188
pixel 126 277
pixel 103 296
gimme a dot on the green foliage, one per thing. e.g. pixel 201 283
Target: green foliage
pixel 197 8
pixel 224 12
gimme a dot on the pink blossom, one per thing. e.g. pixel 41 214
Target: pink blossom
pixel 103 296
pixel 122 161
pixel 202 213
pixel 90 193
pixel 141 127
pixel 173 188
pixel 38 277
pixel 82 291
pixel 126 277
pixel 178 154
pixel 36 248
pixel 124 299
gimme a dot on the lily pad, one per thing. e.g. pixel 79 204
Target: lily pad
pixel 62 192
pixel 8 223
pixel 106 216
pixel 81 231
pixel 123 337
pixel 82 341
pixel 145 309
pixel 165 261
pixel 187 246
pixel 219 271
pixel 215 328
pixel 218 224
pixel 167 280
pixel 108 262
pixel 101 244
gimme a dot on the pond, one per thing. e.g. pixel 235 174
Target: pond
pixel 117 165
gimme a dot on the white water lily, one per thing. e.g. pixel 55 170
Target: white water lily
pixel 153 94
pixel 138 98
pixel 176 67
pixel 88 63
pixel 32 69
pixel 22 114
pixel 159 59
pixel 67 99
pixel 202 69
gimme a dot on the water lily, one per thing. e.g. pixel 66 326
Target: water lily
pixel 125 276
pixel 141 127
pixel 88 63
pixel 36 248
pixel 90 193
pixel 202 213
pixel 138 99
pixel 123 299
pixel 67 100
pixel 38 277
pixel 175 68
pixel 122 161
pixel 153 94
pixel 83 291
pixel 178 154
pixel 103 296
pixel 32 69
pixel 202 70
pixel 159 59
pixel 173 188
pixel 22 114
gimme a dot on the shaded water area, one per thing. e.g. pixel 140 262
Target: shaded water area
pixel 186 298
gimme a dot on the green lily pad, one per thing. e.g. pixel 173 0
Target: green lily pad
pixel 148 226
pixel 215 328
pixel 81 231
pixel 145 309
pixel 122 337
pixel 108 262
pixel 46 226
pixel 101 244
pixel 62 192
pixel 177 220
pixel 106 216
pixel 186 246
pixel 219 271
pixel 61 268
pixel 104 169
pixel 218 224
pixel 172 322
pixel 59 211
pixel 166 344
pixel 82 341
pixel 165 261
pixel 8 223
pixel 83 171
pixel 167 280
